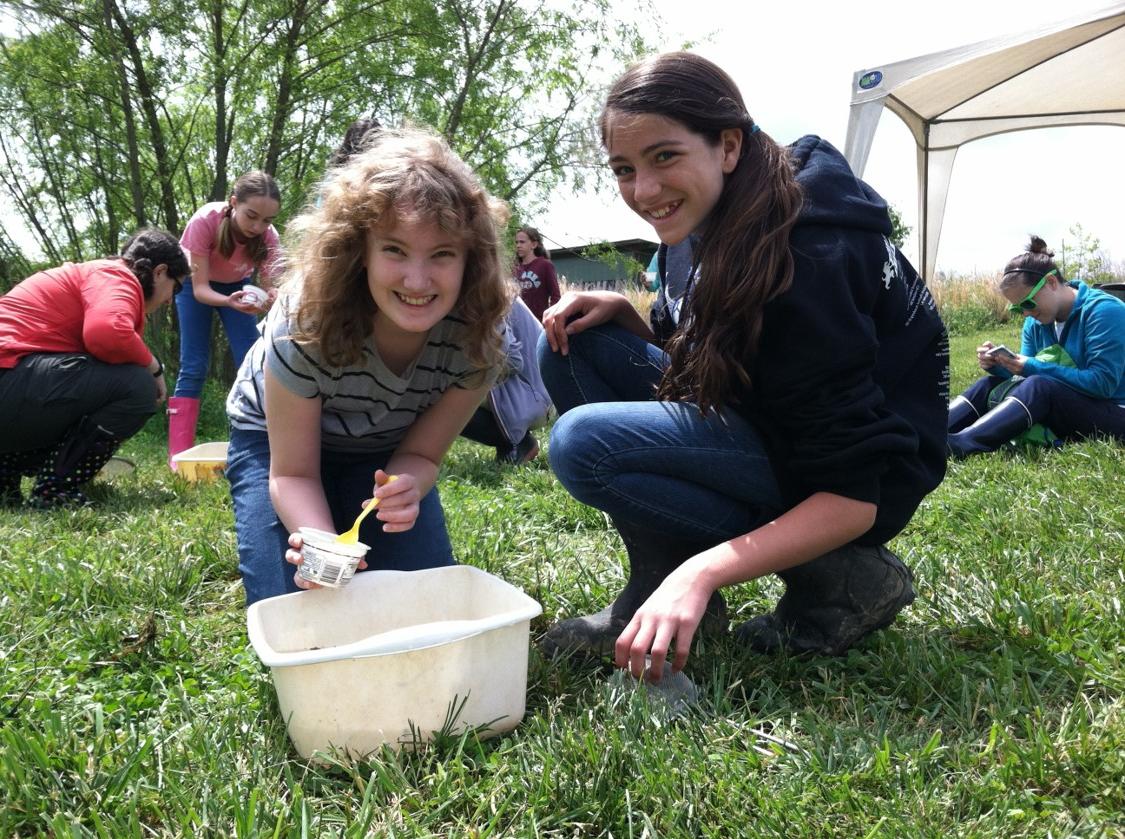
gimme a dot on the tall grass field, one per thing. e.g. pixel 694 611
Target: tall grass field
pixel 131 704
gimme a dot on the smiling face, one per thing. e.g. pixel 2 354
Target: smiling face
pixel 414 272
pixel 668 175
pixel 252 216
pixel 1053 302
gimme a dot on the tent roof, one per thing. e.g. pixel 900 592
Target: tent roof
pixel 1067 73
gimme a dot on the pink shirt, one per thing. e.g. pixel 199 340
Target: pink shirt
pixel 201 237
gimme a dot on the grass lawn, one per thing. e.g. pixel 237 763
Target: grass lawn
pixel 132 705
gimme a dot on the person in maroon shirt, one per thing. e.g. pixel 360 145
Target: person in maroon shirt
pixel 535 273
pixel 76 378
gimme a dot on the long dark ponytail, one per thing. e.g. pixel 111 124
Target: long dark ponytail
pixel 744 256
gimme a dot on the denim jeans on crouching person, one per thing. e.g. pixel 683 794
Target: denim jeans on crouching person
pixel 195 335
pixel 660 465
pixel 348 480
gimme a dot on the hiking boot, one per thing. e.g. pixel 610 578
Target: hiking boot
pixel 652 557
pixel 832 602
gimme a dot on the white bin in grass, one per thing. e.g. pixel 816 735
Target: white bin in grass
pixel 357 667
pixel 204 462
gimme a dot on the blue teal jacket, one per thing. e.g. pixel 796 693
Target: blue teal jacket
pixel 1093 335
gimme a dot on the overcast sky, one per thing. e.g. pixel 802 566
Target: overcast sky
pixel 794 64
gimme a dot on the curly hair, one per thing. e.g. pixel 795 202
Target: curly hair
pixel 150 247
pixel 1030 266
pixel 744 255
pixel 403 170
pixel 250 185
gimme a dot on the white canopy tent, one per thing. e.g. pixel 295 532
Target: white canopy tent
pixel 1068 73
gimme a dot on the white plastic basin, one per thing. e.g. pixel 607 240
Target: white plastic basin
pixel 204 462
pixel 355 667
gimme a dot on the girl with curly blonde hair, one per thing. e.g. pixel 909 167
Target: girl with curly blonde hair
pixel 387 339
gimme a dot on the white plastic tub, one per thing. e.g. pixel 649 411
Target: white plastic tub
pixel 204 462
pixel 355 667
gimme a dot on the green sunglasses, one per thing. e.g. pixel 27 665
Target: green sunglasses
pixel 1028 303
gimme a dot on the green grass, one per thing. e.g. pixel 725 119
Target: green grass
pixel 132 705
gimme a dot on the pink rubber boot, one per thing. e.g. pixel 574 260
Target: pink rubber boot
pixel 183 414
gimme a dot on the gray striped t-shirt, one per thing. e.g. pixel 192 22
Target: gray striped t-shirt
pixel 364 407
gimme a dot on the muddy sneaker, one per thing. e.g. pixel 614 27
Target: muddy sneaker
pixel 833 601
pixel 524 452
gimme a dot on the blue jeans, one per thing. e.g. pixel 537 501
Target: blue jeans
pixel 348 480
pixel 195 335
pixel 660 465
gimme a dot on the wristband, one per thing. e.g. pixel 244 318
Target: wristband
pixel 159 368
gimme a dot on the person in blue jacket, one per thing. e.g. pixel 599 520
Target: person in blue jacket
pixel 1069 374
pixel 790 418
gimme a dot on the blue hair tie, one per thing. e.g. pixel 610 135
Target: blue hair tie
pixel 755 128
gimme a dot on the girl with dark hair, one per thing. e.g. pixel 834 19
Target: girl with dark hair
pixel 76 378
pixel 1068 379
pixel 229 242
pixel 356 137
pixel 787 418
pixel 386 339
pixel 534 272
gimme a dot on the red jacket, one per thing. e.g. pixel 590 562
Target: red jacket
pixel 94 307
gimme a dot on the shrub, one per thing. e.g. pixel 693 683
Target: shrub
pixel 968 304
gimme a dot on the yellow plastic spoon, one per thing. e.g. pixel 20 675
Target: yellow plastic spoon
pixel 350 537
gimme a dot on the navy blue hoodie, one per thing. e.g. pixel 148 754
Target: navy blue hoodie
pixel 850 384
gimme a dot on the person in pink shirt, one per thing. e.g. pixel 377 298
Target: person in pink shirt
pixel 76 378
pixel 230 244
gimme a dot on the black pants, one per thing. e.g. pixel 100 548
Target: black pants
pixel 46 395
pixel 484 429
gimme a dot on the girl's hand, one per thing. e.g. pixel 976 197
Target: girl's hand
pixel 240 302
pixel 1013 365
pixel 293 557
pixel 671 614
pixel 398 501
pixel 576 312
pixel 985 361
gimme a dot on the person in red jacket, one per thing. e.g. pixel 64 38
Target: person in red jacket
pixel 76 378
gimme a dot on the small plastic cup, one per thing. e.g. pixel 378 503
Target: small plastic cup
pixel 254 294
pixel 326 561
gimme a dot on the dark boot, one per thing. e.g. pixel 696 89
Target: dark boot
pixel 833 601
pixel 962 414
pixel 1006 421
pixel 13 466
pixel 76 460
pixel 10 479
pixel 652 557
